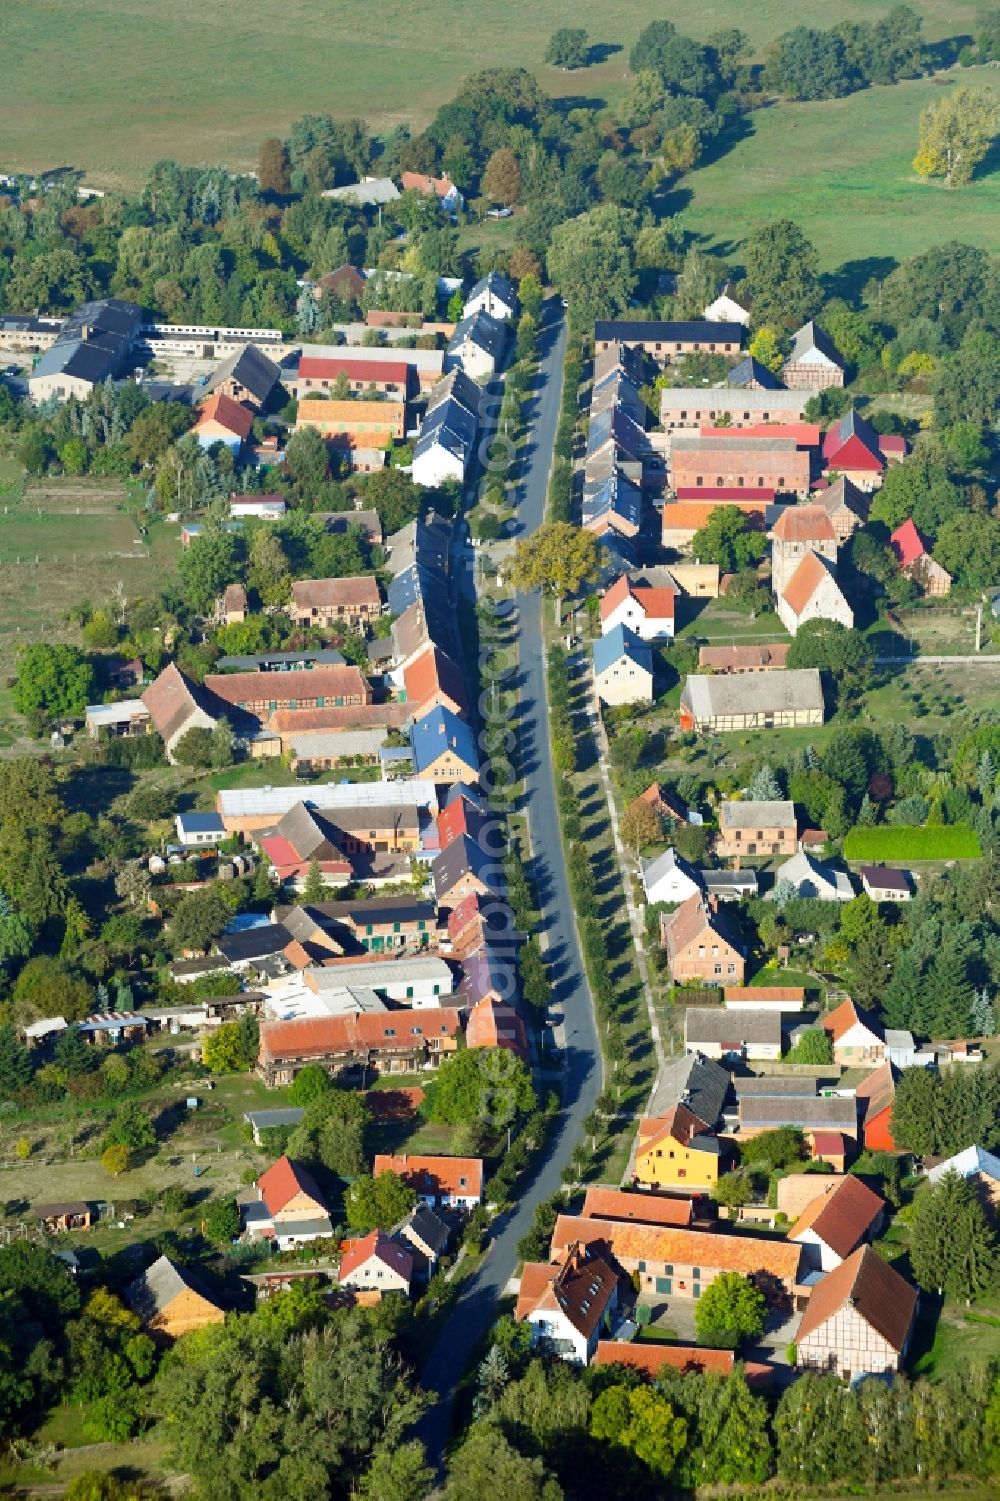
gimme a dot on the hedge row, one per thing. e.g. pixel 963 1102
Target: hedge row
pixel 932 842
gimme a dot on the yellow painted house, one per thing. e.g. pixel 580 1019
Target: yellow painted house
pixel 677 1151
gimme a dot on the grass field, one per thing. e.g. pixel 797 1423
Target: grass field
pixel 205 84
pixel 841 169
pixel 63 541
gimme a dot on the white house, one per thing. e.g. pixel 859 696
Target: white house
pixel 376 1263
pixel 476 346
pixel 454 1182
pixel 810 878
pixel 647 611
pixel 727 308
pixel 568 1303
pixel 883 884
pixel 258 507
pixel 194 829
pixel 494 294
pixel 439 455
pixel 717 1033
pixel 669 878
pixel 812 593
pixel 623 668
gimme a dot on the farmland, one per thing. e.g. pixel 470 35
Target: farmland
pixel 841 169
pixel 182 70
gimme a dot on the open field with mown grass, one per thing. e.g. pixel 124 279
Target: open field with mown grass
pixel 114 85
pixel 62 541
pixel 841 168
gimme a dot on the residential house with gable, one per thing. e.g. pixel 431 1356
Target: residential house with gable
pixel 444 748
pixel 856 1037
pixel 476 346
pixel 568 1303
pixel 678 1152
pixel 623 668
pixel 669 878
pixel 172 1300
pixel 858 1321
pixel 376 1263
pixel 648 612
pixel 294 1210
pixel 914 559
pixel 700 946
pixel 835 1224
pixel 749 827
pixel 454 1182
pixel 814 362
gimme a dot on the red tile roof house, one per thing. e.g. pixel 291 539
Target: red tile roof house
pixel 567 1304
pixel 859 1319
pixel 222 420
pixel 390 377
pixel 647 611
pixel 441 187
pixel 456 819
pixel 494 1024
pixel 854 449
pixel 328 603
pixel 910 551
pixel 296 1210
pixel 376 1263
pixel 455 1181
pixel 432 680
pixel 838 1223
pixel 605 1203
pixel 699 947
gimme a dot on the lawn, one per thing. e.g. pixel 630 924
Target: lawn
pixel 62 541
pixel 938 842
pixel 958 1335
pixel 841 169
pixel 205 84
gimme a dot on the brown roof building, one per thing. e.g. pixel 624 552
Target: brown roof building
pixel 699 946
pixel 837 1224
pixel 261 693
pixel 858 1320
pixel 176 705
pixel 736 462
pixel 568 1303
pixel 603 1203
pixel 729 659
pixel 437 1179
pixel 387 1042
pixel 331 602
pixel 171 1300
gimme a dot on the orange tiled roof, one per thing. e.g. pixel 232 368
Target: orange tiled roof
pixel 804 582
pixel 227 413
pixel 692 515
pixel 679 1123
pixel 602 1203
pixel 630 1242
pixel 808 523
pixel 322 1036
pixel 439 1175
pixel 433 672
pixel 282 1181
